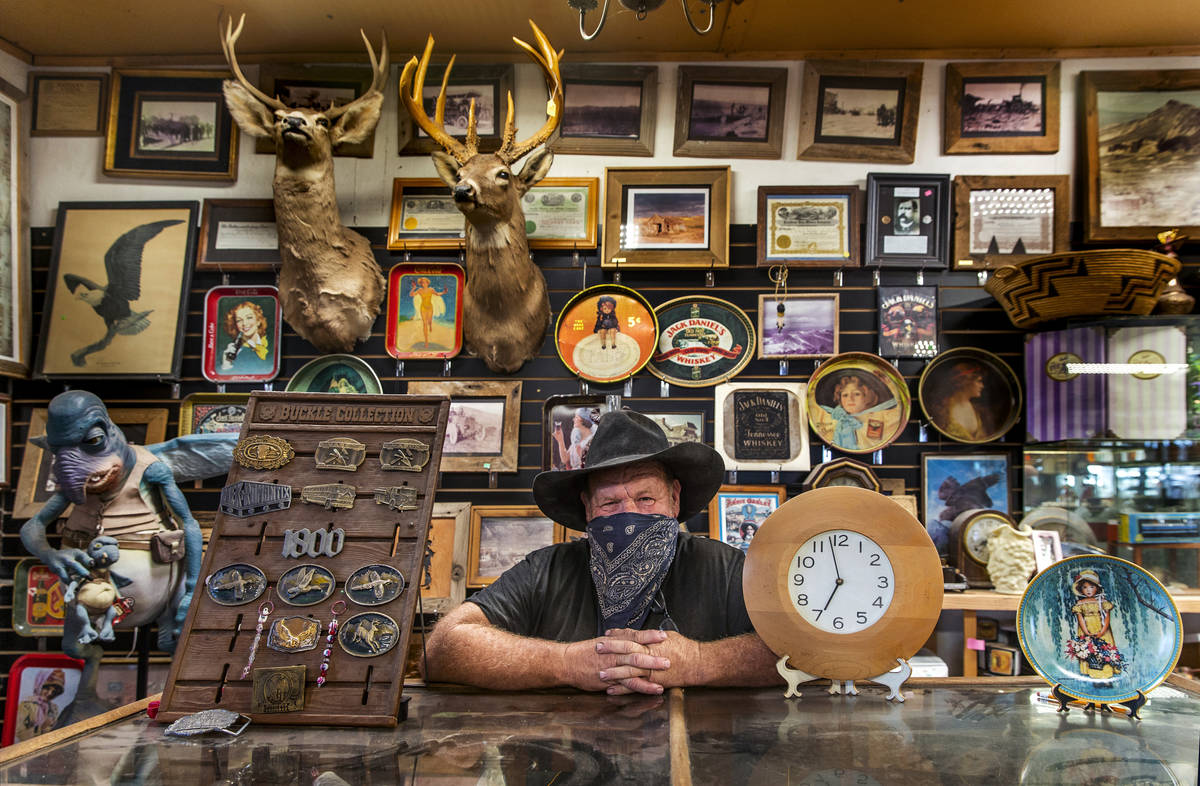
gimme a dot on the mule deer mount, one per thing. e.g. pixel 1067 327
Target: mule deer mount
pixel 506 309
pixel 330 285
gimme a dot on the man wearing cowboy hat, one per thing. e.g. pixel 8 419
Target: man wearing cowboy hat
pixel 637 606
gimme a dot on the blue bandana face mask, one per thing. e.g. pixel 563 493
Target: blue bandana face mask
pixel 630 556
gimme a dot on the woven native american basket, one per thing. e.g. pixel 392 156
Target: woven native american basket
pixel 1081 283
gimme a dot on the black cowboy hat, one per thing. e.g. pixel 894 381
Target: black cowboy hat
pixel 625 437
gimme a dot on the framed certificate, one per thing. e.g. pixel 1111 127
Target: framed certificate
pixel 560 212
pixel 809 226
pixel 423 215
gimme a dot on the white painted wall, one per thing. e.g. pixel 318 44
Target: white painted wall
pixel 69 168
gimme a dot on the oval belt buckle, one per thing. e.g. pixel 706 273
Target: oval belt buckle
pixel 368 635
pixel 263 451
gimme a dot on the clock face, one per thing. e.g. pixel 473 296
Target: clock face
pixel 842 581
pixel 846 480
pixel 975 537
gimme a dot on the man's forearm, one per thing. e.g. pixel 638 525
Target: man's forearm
pixel 489 657
pixel 738 660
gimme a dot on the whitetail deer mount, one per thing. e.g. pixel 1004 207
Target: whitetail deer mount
pixel 330 285
pixel 506 309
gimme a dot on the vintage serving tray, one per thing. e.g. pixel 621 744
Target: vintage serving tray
pixel 970 395
pixel 335 374
pixel 424 310
pixel 212 413
pixel 606 333
pixel 702 341
pixel 242 329
pixel 1106 646
pixel 859 418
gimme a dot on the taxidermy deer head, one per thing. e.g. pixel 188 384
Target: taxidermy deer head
pixel 329 283
pixel 505 306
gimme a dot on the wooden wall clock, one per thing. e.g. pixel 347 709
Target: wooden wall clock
pixel 969 535
pixel 844 584
pixel 841 471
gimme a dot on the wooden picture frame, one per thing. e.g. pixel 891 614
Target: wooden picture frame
pixel 845 114
pixel 762 425
pixel 141 427
pixel 238 235
pixel 653 217
pixel 792 326
pixel 809 226
pixel 680 427
pixel 16 321
pixel 449 533
pixel 423 216
pixel 1012 209
pixel 212 413
pixel 1131 192
pixel 562 213
pixel 730 112
pixel 983 115
pixel 736 513
pixel 141 142
pixel 908 220
pixel 68 103
pixel 908 321
pixel 316 87
pixel 25 679
pixel 150 243
pixel 482 426
pixel 608 110
pixel 569 414
pixel 501 536
pixel 976 468
pixel 489 85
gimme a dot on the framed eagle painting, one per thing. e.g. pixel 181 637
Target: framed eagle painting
pixel 118 277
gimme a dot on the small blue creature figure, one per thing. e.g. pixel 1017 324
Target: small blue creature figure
pixel 95 598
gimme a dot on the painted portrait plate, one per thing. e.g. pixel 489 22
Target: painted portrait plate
pixel 1101 627
pixel 858 402
pixel 702 341
pixel 606 333
pixel 242 330
pixel 425 311
pixel 335 374
pixel 970 395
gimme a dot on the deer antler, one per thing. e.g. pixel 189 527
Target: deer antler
pixel 229 37
pixel 548 59
pixel 436 128
pixel 378 80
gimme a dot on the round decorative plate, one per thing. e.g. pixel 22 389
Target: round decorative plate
pixel 970 395
pixel 702 341
pixel 606 333
pixel 1101 627
pixel 858 402
pixel 335 374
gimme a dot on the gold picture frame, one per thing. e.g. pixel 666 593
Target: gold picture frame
pixel 993 119
pixel 1039 205
pixel 423 216
pixel 208 413
pixel 482 425
pixel 561 213
pixel 492 525
pixel 837 128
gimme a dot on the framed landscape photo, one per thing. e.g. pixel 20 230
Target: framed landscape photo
pixel 761 425
pixel 1004 107
pixel 501 536
pixel 607 110
pixel 679 427
pixel 423 216
pixel 560 212
pixel 1143 175
pixel 444 584
pixel 481 429
pixel 16 314
pixel 238 235
pixel 487 85
pixel 859 111
pixel 730 112
pixel 666 218
pixel 170 124
pixel 1006 219
pixel 908 321
pixel 736 513
pixel 908 220
pixel 316 87
pixel 797 326
pixel 955 482
pixel 68 104
pixel 568 425
pixel 809 226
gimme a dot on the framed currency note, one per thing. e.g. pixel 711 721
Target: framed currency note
pixel 761 425
pixel 809 226
pixel 560 212
pixel 423 215
pixel 1007 219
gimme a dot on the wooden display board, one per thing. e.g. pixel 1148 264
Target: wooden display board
pixel 216 639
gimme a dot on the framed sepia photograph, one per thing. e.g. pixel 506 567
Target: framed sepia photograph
pixel 730 112
pixel 736 513
pixel 1006 219
pixel 568 425
pixel 970 395
pixel 908 220
pixel 481 429
pixel 316 87
pixel 423 216
pixel 170 124
pixel 444 582
pixel 1142 171
pixel 212 413
pixel 797 326
pixel 238 235
pixel 501 536
pixel 488 86
pixel 16 314
pixel 68 104
pixel 242 331
pixel 1003 107
pixel 115 293
pixel 809 226
pixel 607 110
pixel 561 212
pixel 859 111
pixel 677 217
pixel 955 482
pixel 761 425
pixel 908 321
pixel 679 427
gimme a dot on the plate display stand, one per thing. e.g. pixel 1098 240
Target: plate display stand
pixel 1133 705
pixel 892 680
pixel 217 639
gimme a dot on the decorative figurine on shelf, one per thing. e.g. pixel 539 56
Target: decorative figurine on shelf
pixel 1174 298
pixel 506 309
pixel 96 599
pixel 1011 559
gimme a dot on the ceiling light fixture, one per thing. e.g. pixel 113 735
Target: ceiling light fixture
pixel 640 8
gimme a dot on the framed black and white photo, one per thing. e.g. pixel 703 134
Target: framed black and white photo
pixel 238 235
pixel 488 86
pixel 1005 107
pixel 316 87
pixel 908 220
pixel 762 425
pixel 679 427
pixel 809 226
pixel 730 112
pixel 501 536
pixel 481 429
pixel 607 110
pixel 673 217
pixel 859 111
pixel 1007 219
pixel 797 326
pixel 908 321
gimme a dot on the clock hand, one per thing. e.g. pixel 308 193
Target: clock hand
pixel 836 584
pixel 836 572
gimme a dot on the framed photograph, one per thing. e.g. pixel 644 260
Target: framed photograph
pixel 859 111
pixel 481 430
pixel 1003 107
pixel 335 374
pixel 679 427
pixel 730 112
pixel 38 605
pixel 170 124
pixel 1047 548
pixel 560 212
pixel 40 689
pixel 424 216
pixel 908 321
pixel 970 395
pixel 35 483
pixel 1008 219
pixel 68 104
pixel 115 304
pixel 809 226
pixel 238 235
pixel 607 110
pixel 501 536
pixel 696 354
pixel 16 314
pixel 908 220
pixel 953 483
pixel 569 423
pixel 736 512
pixel 424 311
pixel 488 86
pixel 1141 170
pixel 858 402
pixel 242 331
pixel 667 218
pixel 444 584
pixel 316 87
pixel 606 333
pixel 761 425
pixel 797 326
pixel 212 413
